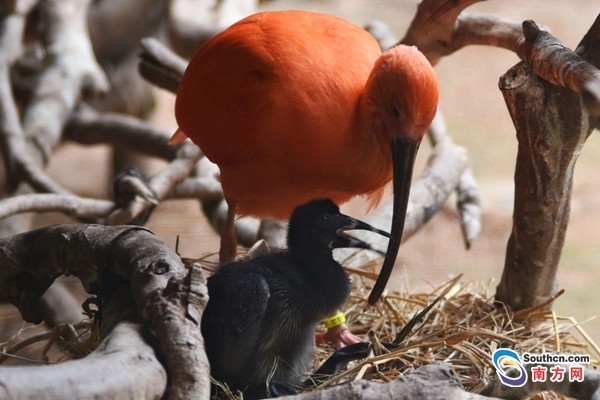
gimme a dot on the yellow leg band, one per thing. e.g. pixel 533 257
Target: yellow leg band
pixel 335 320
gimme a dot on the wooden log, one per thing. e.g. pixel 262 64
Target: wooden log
pixel 551 129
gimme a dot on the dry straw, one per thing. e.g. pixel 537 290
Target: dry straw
pixel 462 329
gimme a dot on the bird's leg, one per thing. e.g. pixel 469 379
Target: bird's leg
pixel 228 249
pixel 337 332
pixel 339 337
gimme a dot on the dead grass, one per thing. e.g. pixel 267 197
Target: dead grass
pixel 462 330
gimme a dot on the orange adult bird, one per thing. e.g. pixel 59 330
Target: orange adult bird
pixel 295 105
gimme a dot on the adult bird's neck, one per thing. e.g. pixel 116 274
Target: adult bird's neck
pixel 371 145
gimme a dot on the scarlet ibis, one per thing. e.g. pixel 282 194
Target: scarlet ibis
pixel 295 105
pixel 259 321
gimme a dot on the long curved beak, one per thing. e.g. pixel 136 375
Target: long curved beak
pixel 346 223
pixel 404 152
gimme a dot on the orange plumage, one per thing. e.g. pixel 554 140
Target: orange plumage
pixel 295 105
pixel 275 102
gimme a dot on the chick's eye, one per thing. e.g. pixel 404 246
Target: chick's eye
pixel 324 221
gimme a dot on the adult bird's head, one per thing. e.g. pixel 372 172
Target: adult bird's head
pixel 402 93
pixel 319 227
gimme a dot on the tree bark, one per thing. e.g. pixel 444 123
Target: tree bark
pixel 168 299
pixel 552 126
pixel 125 348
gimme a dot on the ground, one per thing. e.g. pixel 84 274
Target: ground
pixel 477 119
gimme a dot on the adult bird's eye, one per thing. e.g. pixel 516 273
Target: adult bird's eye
pixel 396 112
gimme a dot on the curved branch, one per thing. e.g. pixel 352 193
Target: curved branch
pixel 191 23
pixel 71 70
pixel 440 28
pixel 71 205
pixel 124 349
pixel 168 299
pixel 468 198
pixel 19 162
pixel 161 184
pixel 160 65
pixel 561 66
pixel 433 381
pixel 88 126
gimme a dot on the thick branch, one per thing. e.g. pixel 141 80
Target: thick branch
pixel 192 22
pixel 160 65
pixel 74 206
pixel 87 126
pixel 116 27
pixel 561 66
pixel 468 197
pixel 439 29
pixel 142 376
pixel 162 183
pixel 551 129
pixel 72 69
pixel 433 381
pixel 168 299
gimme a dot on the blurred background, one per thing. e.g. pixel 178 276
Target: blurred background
pixel 476 118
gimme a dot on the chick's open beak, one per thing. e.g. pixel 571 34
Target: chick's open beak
pixel 404 152
pixel 347 223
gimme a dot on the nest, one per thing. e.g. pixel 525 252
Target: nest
pixel 462 329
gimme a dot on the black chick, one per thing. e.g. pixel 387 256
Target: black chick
pixel 259 323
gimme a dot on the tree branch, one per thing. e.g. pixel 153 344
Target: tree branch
pixel 551 130
pixel 160 65
pixel 433 381
pixel 440 28
pixel 124 132
pixel 72 70
pixel 192 22
pixel 468 198
pixel 559 65
pixel 73 206
pixel 141 375
pixel 168 299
